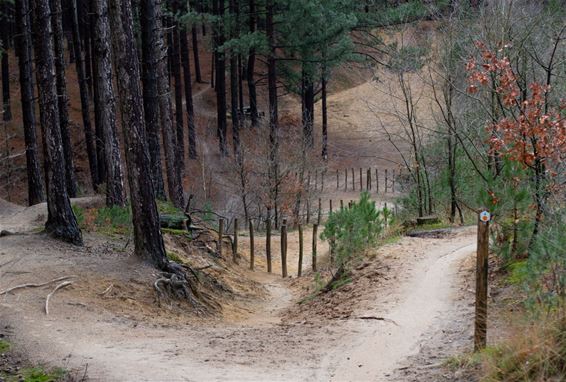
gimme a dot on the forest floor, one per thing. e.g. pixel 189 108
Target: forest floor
pixel 407 308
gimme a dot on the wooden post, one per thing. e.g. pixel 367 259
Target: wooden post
pixel 341 204
pixel 337 180
pixel 308 210
pixel 220 235
pixel 377 181
pixel 300 268
pixel 368 176
pixel 361 180
pixel 330 205
pixel 386 179
pixel 319 217
pixel 268 243
pixel 353 181
pixel 314 242
pixel 284 248
pixel 346 180
pixel 235 242
pixel 393 181
pixel 252 246
pixel 480 331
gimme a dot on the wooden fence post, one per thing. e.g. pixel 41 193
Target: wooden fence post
pixel 386 180
pixel 308 205
pixel 314 242
pixel 322 180
pixel 220 235
pixel 393 181
pixel 268 243
pixel 337 180
pixel 353 181
pixel 346 180
pixel 341 204
pixel 480 330
pixel 377 181
pixel 284 248
pixel 319 217
pixel 361 180
pixel 252 245
pixel 330 205
pixel 235 242
pixel 368 180
pixel 300 267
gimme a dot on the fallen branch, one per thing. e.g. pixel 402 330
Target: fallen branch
pixel 106 290
pixel 62 285
pixel 34 285
pixel 378 319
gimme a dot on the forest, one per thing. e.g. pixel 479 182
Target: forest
pixel 318 190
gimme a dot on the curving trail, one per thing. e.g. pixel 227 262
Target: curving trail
pixel 417 303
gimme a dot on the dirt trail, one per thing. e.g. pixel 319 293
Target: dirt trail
pixel 267 344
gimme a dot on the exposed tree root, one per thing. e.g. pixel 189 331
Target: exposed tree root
pixel 34 285
pixel 62 285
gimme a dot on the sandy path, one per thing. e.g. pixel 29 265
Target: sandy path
pixel 380 346
pixel 264 347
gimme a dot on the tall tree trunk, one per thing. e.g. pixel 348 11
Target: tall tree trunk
pixel 104 97
pixel 99 129
pixel 61 221
pixel 251 67
pixel 324 119
pixel 6 12
pixel 151 57
pixel 220 76
pixel 176 66
pixel 85 105
pixel 188 94
pixel 147 234
pixel 24 46
pixel 308 108
pixel 63 98
pixel 156 66
pixel 273 109
pixel 234 93
pixel 196 57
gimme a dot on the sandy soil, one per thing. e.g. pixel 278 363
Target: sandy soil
pixel 411 288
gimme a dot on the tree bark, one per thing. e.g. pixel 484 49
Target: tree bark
pixel 61 222
pixel 62 96
pixel 151 58
pixel 85 106
pixel 5 13
pixel 324 119
pixel 194 34
pixel 220 80
pixel 185 62
pixel 251 68
pixel 151 19
pixel 147 234
pixel 176 66
pixel 234 88
pixel 105 99
pixel 24 46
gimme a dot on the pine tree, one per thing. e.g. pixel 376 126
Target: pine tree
pixel 147 234
pixel 24 46
pixel 105 98
pixel 62 96
pixel 85 97
pixel 61 221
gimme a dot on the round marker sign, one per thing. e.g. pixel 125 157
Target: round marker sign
pixel 485 216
